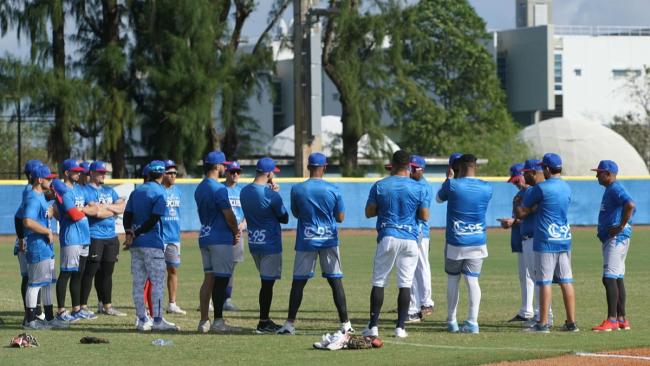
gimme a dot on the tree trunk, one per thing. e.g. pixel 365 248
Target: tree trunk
pixel 350 138
pixel 117 159
pixel 230 142
pixel 59 139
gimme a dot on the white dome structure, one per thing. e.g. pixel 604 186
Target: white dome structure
pixel 283 143
pixel 582 144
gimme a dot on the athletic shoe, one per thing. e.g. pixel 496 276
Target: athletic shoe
pixel 400 333
pixel 175 309
pixel 165 326
pixel 370 332
pixel 606 326
pixel 519 318
pixel 113 312
pixel 37 324
pixel 144 326
pixel 426 310
pixel 57 323
pixel 452 327
pixel 337 341
pixel 100 307
pixel 570 327
pixel 624 325
pixel 531 323
pixel 346 327
pixel 84 315
pixel 287 329
pixel 538 328
pixel 414 318
pixel 229 306
pixel 324 341
pixel 267 327
pixel 86 310
pixel 220 326
pixel 204 326
pixel 67 317
pixel 469 327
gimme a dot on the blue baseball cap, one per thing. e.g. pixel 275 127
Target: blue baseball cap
pixel 98 166
pixel 215 157
pixel 59 187
pixel 157 166
pixel 43 172
pixel 551 160
pixel 317 159
pixel 532 165
pixel 417 161
pixel 515 171
pixel 169 164
pixel 71 165
pixel 266 165
pixel 145 170
pixel 606 166
pixel 30 165
pixel 233 167
pixel 453 157
pixel 85 166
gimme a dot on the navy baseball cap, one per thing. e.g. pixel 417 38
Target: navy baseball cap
pixel 606 166
pixel 532 165
pixel 43 172
pixel 551 160
pixel 85 166
pixel 169 164
pixel 71 165
pixel 317 159
pixel 98 166
pixel 417 161
pixel 233 167
pixel 215 157
pixel 157 166
pixel 515 171
pixel 267 165
pixel 145 170
pixel 453 157
pixel 59 187
pixel 30 165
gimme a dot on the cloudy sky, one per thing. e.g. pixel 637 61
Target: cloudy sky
pixel 499 14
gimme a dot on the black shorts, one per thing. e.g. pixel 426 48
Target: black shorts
pixel 104 250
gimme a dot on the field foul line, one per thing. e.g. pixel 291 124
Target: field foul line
pixel 586 354
pixel 479 348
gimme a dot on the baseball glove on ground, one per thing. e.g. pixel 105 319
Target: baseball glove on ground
pixel 23 340
pixel 359 342
pixel 93 340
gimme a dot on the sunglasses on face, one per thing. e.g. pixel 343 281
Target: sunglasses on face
pixel 171 173
pixel 234 171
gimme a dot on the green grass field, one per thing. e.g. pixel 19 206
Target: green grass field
pixel 428 343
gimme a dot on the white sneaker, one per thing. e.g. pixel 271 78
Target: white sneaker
pixel 337 341
pixel 370 332
pixel 401 333
pixel 163 326
pixel 229 306
pixel 57 323
pixel 41 316
pixel 220 326
pixel 287 329
pixel 346 327
pixel 175 309
pixel 144 326
pixel 323 342
pixel 204 326
pixel 37 324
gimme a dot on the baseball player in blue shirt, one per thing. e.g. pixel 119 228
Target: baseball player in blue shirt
pixel 318 206
pixel 264 212
pixel 219 232
pixel 466 248
pixel 551 241
pixel 233 173
pixel 398 202
pixel 172 234
pixel 614 232
pixel 144 239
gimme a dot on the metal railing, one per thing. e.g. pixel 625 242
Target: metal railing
pixel 601 30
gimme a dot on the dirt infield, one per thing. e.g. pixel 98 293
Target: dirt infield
pixel 624 357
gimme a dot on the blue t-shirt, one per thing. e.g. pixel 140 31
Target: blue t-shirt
pixel 398 199
pixel 468 200
pixel 71 232
pixel 35 208
pixel 233 195
pixel 611 209
pixel 146 200
pixel 528 224
pixel 101 228
pixel 515 231
pixel 262 209
pixel 211 197
pixel 20 210
pixel 552 229
pixel 428 191
pixel 172 219
pixel 315 203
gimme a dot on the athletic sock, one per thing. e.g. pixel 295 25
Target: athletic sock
pixel 376 302
pixel 219 295
pixel 403 302
pixel 49 312
pixel 474 295
pixel 30 314
pixel 266 298
pixel 611 292
pixel 228 292
pixel 621 298
pixel 339 298
pixel 295 298
pixel 452 296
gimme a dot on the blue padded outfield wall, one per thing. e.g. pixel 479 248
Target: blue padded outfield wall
pixel 584 206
